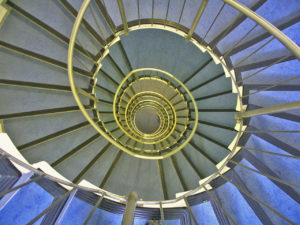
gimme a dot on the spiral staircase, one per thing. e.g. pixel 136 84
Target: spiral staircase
pixel 149 112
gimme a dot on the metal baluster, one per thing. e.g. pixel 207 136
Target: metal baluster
pixel 219 204
pixel 259 71
pixel 252 53
pixel 167 13
pixel 271 86
pixel 256 199
pixel 239 41
pixel 50 207
pixel 139 16
pixel 94 209
pixel 123 16
pixel 181 12
pixel 191 212
pixel 219 12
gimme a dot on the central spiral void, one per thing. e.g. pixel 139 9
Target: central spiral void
pixel 147 120
pixel 146 93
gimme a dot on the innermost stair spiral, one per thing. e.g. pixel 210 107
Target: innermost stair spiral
pixel 147 120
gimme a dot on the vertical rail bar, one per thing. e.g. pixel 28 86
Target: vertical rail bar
pixel 272 62
pixel 196 20
pixel 51 206
pixel 252 53
pixel 152 12
pixel 123 16
pixel 167 13
pixel 65 208
pixel 191 212
pixel 183 5
pixel 128 216
pixel 256 199
pixel 240 41
pixel 139 16
pixel 106 15
pixel 255 206
pixel 162 179
pixel 162 216
pixel 94 209
pixel 219 204
pixel 211 25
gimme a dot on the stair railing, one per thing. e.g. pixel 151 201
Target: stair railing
pixel 196 40
pixel 237 84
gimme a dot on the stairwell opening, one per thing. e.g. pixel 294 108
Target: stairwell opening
pixel 147 120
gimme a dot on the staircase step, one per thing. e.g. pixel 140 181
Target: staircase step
pixel 33 99
pixel 34 71
pixel 222 118
pixel 37 40
pixel 206 74
pixel 72 166
pixel 141 175
pixel 172 181
pixel 228 194
pixel 269 98
pixel 203 164
pixel 274 74
pixel 152 48
pixel 205 208
pixel 113 10
pixel 227 17
pixel 273 14
pixel 261 34
pixel 227 100
pixel 269 193
pixel 269 123
pixel 119 57
pixel 34 128
pixel 269 48
pixel 219 85
pixel 213 150
pixel 189 176
pixel 30 200
pixel 98 171
pixel 83 209
pixel 50 151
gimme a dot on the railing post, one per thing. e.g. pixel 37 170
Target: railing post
pixel 128 216
pixel 190 211
pixel 162 216
pixel 65 207
pixel 268 110
pixel 2 126
pixel 123 16
pixel 196 20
